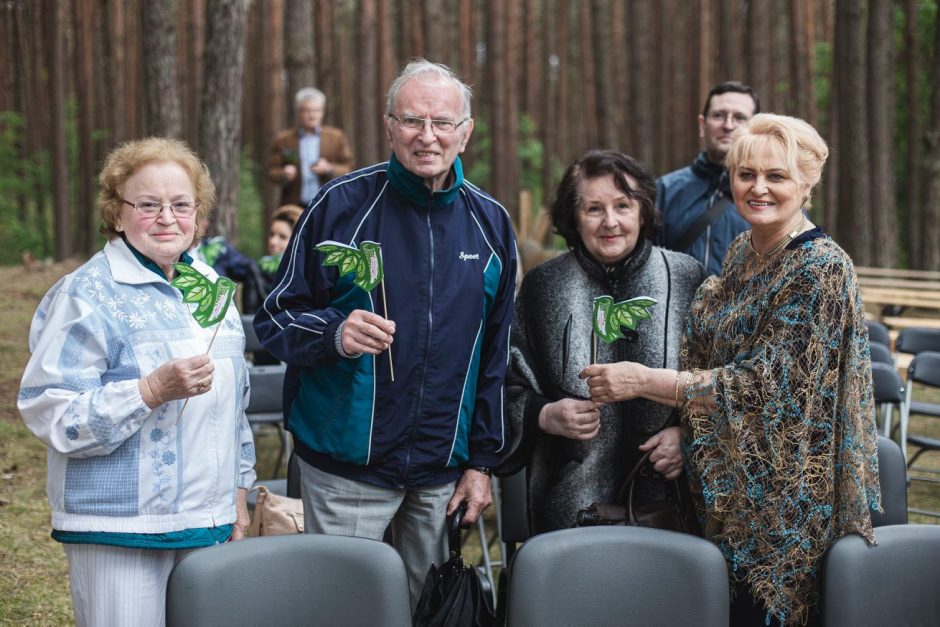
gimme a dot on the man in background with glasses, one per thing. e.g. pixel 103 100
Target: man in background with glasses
pixel 698 214
pixel 395 395
pixel 307 156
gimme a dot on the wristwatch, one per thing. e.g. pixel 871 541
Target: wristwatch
pixel 486 470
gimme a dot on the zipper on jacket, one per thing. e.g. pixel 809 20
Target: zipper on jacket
pixel 427 356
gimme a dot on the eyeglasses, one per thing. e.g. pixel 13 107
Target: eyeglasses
pixel 416 125
pixel 719 117
pixel 152 208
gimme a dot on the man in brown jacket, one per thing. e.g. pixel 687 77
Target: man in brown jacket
pixel 304 158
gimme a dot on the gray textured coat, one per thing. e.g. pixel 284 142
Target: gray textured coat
pixel 551 344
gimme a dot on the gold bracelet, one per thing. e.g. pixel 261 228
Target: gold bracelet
pixel 677 388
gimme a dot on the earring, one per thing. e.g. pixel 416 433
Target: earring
pixel 197 229
pixel 118 228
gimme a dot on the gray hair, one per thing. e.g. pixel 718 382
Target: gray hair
pixel 309 93
pixel 423 67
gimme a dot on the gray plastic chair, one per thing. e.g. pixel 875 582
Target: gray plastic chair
pixel 878 333
pixel 916 340
pixel 617 576
pixel 892 476
pixel 881 354
pixel 303 579
pixel 893 583
pixel 889 394
pixel 265 405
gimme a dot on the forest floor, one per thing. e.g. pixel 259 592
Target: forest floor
pixel 34 585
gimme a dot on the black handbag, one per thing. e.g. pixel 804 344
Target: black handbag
pixel 672 514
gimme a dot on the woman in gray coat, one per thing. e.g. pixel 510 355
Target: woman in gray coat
pixel 577 451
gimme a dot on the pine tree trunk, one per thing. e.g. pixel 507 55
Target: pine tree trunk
pixel 161 81
pixel 55 15
pixel 854 164
pixel 367 126
pixel 644 69
pixel 881 132
pixel 298 51
pixel 85 13
pixel 758 51
pixel 930 245
pixel 220 130
pixel 911 191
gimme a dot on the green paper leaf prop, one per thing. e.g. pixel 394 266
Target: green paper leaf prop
pixel 609 316
pixel 212 299
pixel 365 261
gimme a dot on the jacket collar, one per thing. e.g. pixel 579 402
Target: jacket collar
pixel 129 266
pixel 611 276
pixel 412 186
pixel 715 173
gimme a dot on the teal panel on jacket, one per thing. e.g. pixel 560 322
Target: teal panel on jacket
pixel 461 452
pixel 333 410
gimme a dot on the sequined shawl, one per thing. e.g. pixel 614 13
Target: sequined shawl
pixel 787 463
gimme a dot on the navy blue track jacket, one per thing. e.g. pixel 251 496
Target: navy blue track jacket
pixel 450 266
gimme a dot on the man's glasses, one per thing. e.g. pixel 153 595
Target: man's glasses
pixel 719 117
pixel 152 208
pixel 416 125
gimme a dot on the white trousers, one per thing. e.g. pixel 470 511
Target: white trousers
pixel 115 586
pixel 418 517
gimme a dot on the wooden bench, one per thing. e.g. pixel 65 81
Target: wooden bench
pixel 888 293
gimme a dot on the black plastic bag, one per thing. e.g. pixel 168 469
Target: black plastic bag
pixel 453 594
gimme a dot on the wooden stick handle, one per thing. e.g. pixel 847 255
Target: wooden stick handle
pixel 391 363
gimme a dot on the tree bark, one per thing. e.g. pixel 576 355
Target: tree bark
pixel 220 132
pixel 367 80
pixel 930 245
pixel 274 107
pixel 854 232
pixel 911 190
pixel 881 132
pixel 758 51
pixel 85 25
pixel 55 15
pixel 644 57
pixel 298 51
pixel 161 81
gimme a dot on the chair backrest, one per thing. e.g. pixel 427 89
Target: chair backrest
pixel 916 340
pixel 880 354
pixel 878 332
pixel 267 389
pixel 892 476
pixel 925 368
pixel 514 508
pixel 252 343
pixel 888 387
pixel 618 575
pixel 302 579
pixel 293 476
pixel 893 583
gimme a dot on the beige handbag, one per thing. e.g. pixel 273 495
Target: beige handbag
pixel 276 515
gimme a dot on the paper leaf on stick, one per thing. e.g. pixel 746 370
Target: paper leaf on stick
pixel 211 299
pixel 609 317
pixel 365 261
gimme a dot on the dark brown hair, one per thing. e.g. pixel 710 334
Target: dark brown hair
pixel 594 164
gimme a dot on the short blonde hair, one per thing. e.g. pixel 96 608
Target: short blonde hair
pixel 126 159
pixel 798 143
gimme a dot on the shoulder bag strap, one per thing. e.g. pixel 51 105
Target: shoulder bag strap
pixel 716 206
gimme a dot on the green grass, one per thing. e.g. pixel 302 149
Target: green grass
pixel 34 586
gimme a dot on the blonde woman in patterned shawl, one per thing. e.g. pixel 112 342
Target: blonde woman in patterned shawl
pixel 774 385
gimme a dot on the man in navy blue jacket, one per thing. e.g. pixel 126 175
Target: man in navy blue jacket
pixel 376 451
pixel 686 197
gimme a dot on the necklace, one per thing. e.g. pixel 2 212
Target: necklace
pixel 779 245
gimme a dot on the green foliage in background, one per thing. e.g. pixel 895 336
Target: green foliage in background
pixel 22 227
pixel 251 227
